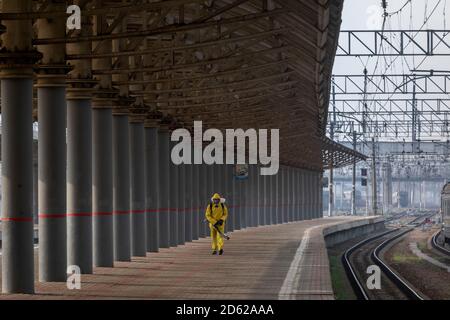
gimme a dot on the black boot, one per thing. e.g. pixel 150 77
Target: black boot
pixel 220 252
pixel 214 252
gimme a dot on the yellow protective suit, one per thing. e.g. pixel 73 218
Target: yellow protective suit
pixel 213 215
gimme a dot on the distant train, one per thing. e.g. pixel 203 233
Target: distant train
pixel 445 212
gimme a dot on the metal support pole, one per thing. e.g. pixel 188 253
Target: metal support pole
pixel 353 209
pixel 121 182
pixel 151 186
pixel 163 187
pixel 374 181
pixel 137 172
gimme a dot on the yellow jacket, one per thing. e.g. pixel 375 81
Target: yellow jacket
pixel 217 213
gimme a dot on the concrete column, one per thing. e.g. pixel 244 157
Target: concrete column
pixel 181 204
pixel 79 184
pixel 210 190
pixel 236 199
pixel 151 186
pixel 189 201
pixel 102 167
pixel 285 195
pixel 300 195
pixel 17 153
pixel 278 190
pixel 305 194
pixel 291 194
pixel 137 172
pixel 173 200
pixel 312 194
pixel 281 199
pixel 273 198
pixel 238 217
pixel 252 197
pixel 79 155
pixel 52 183
pixel 315 194
pixel 248 199
pixel 121 182
pixel 320 213
pixel 17 185
pixel 102 190
pixel 255 200
pixel 51 177
pixel 297 194
pixel 288 194
pixel 267 200
pixel 262 199
pixel 203 199
pixel 195 201
pixel 163 187
pixel 319 194
pixel 231 193
pixel 259 198
pixel 308 195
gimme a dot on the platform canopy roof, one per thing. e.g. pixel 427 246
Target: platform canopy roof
pixel 337 155
pixel 229 63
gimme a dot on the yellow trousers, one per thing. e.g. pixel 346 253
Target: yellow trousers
pixel 216 239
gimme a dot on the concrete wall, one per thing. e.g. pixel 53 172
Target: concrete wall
pixel 342 232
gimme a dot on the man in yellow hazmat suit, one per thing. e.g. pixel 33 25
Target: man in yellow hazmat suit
pixel 216 213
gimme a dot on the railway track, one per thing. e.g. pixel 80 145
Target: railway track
pixel 367 252
pixel 435 244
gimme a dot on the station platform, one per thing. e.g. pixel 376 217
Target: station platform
pixel 287 261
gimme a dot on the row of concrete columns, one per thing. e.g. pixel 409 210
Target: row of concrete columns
pixel 107 189
pixel 126 197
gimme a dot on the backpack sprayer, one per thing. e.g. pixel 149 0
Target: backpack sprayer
pixel 223 235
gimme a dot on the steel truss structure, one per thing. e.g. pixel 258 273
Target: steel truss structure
pixel 391 84
pixel 393 118
pixel 359 43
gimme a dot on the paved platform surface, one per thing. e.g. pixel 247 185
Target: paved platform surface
pixel 270 262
